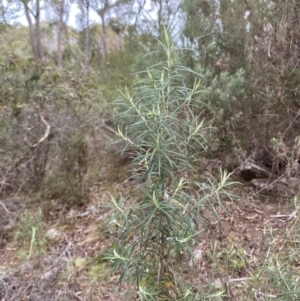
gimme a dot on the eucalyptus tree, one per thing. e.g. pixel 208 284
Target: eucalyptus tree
pixel 125 14
pixel 201 29
pixel 84 21
pixel 9 10
pixel 116 14
pixel 216 29
pixel 234 31
pixel 58 13
pixel 61 12
pixel 103 8
pixel 155 15
pixel 32 10
pixel 209 29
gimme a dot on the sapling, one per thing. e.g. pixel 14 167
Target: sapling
pixel 156 232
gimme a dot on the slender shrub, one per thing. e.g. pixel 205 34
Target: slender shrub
pixel 155 233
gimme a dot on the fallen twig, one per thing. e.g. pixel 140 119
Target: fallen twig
pixel 1 203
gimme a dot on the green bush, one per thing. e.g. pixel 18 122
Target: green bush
pixel 223 106
pixel 156 232
pixel 46 121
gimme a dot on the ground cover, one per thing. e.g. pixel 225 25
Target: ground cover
pixel 249 250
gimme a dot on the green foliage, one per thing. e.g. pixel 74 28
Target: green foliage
pixel 97 272
pixel 229 259
pixel 28 234
pixel 242 89
pixel 46 121
pixel 218 31
pixel 160 227
pixel 224 107
pixel 121 63
pixel 67 181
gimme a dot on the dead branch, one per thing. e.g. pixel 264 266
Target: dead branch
pixel 47 131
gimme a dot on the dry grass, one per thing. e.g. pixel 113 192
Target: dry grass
pixel 249 251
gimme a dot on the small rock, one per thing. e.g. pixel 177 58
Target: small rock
pixel 52 234
pixel 218 283
pixel 11 223
pixel 92 209
pixel 50 274
pixel 262 184
pixel 197 256
pixel 73 213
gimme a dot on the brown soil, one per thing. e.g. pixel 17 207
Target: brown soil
pixel 69 267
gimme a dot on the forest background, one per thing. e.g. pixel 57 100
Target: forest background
pixel 59 119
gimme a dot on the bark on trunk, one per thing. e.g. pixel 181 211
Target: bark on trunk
pixel 34 30
pixel 38 32
pixel 104 36
pixel 101 7
pixel 59 33
pixel 87 37
pixel 31 31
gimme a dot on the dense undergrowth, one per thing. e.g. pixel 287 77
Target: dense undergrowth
pixel 172 228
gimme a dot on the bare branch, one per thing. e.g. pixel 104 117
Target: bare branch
pixel 46 132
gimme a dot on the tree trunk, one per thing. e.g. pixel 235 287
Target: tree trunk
pixel 38 32
pixel 87 37
pixel 31 31
pixel 59 33
pixel 104 36
pixel 34 31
